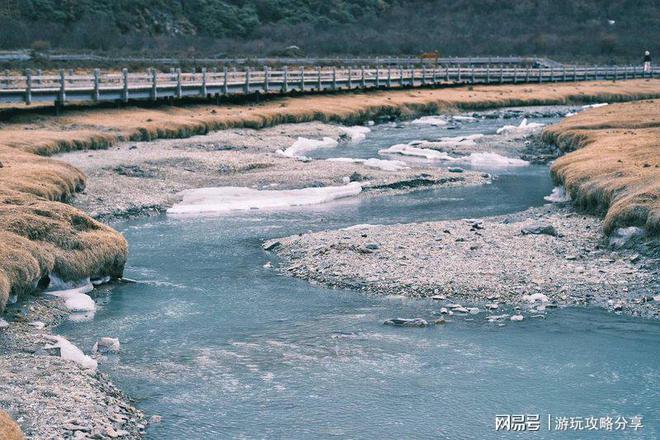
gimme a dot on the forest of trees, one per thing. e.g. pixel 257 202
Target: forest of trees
pixel 596 29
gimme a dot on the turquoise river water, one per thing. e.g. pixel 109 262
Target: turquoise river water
pixel 222 347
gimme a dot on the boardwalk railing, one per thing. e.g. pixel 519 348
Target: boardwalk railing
pixel 153 85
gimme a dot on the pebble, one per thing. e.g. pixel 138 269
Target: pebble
pixel 517 318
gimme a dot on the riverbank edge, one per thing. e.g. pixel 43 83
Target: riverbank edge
pixel 35 188
pixel 612 166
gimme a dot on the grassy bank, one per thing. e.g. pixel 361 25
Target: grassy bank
pixel 615 168
pixel 40 235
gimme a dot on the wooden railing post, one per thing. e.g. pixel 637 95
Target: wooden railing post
pixel 515 74
pixel 616 73
pixel 527 75
pixel 459 73
pixel 28 86
pixel 487 73
pixel 447 73
pixel 473 77
pixel 225 85
pixel 423 73
pixel 334 78
pixel 246 86
pixel 62 95
pixel 363 82
pixel 266 79
pixel 350 78
pixel 540 75
pixel 124 73
pixel 154 84
pixel 203 89
pixel 389 76
pixel 574 73
pixel 563 73
pixel 96 94
pixel 179 91
pixel 377 76
pixel 318 72
pixel 400 76
pixel 302 78
pixel 285 86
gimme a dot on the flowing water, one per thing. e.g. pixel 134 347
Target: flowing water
pixel 222 347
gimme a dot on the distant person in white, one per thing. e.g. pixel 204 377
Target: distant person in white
pixel 647 62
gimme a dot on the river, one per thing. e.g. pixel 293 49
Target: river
pixel 223 346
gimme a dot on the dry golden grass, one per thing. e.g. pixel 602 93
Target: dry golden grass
pixel 615 168
pixel 39 235
pixel 9 430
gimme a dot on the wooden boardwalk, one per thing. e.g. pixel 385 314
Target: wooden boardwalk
pixel 153 85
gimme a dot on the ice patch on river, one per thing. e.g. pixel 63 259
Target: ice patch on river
pixel 381 164
pixel 435 121
pixel 227 199
pixel 74 295
pixel 409 150
pixel 523 129
pixel 478 160
pixel 356 134
pixel 304 145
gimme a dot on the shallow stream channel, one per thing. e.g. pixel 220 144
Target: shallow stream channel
pixel 221 345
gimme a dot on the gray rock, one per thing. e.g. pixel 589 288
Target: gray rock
pixel 372 246
pixel 407 322
pixel 269 246
pixel 539 229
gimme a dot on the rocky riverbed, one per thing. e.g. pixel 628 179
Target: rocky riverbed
pixel 50 396
pixel 136 178
pixel 550 255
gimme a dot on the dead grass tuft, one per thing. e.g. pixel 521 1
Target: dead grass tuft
pixel 39 235
pixel 9 430
pixel 614 165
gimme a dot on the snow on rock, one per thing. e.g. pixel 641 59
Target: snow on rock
pixel 409 150
pixel 523 129
pixel 356 134
pixel 536 297
pixel 600 104
pixel 73 293
pixel 558 195
pixel 106 345
pixel 360 226
pixel 381 164
pixel 517 318
pixel 70 352
pixel 430 120
pixel 621 236
pixel 3 323
pixel 229 198
pixel 304 145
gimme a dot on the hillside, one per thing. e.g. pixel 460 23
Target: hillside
pixel 595 29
